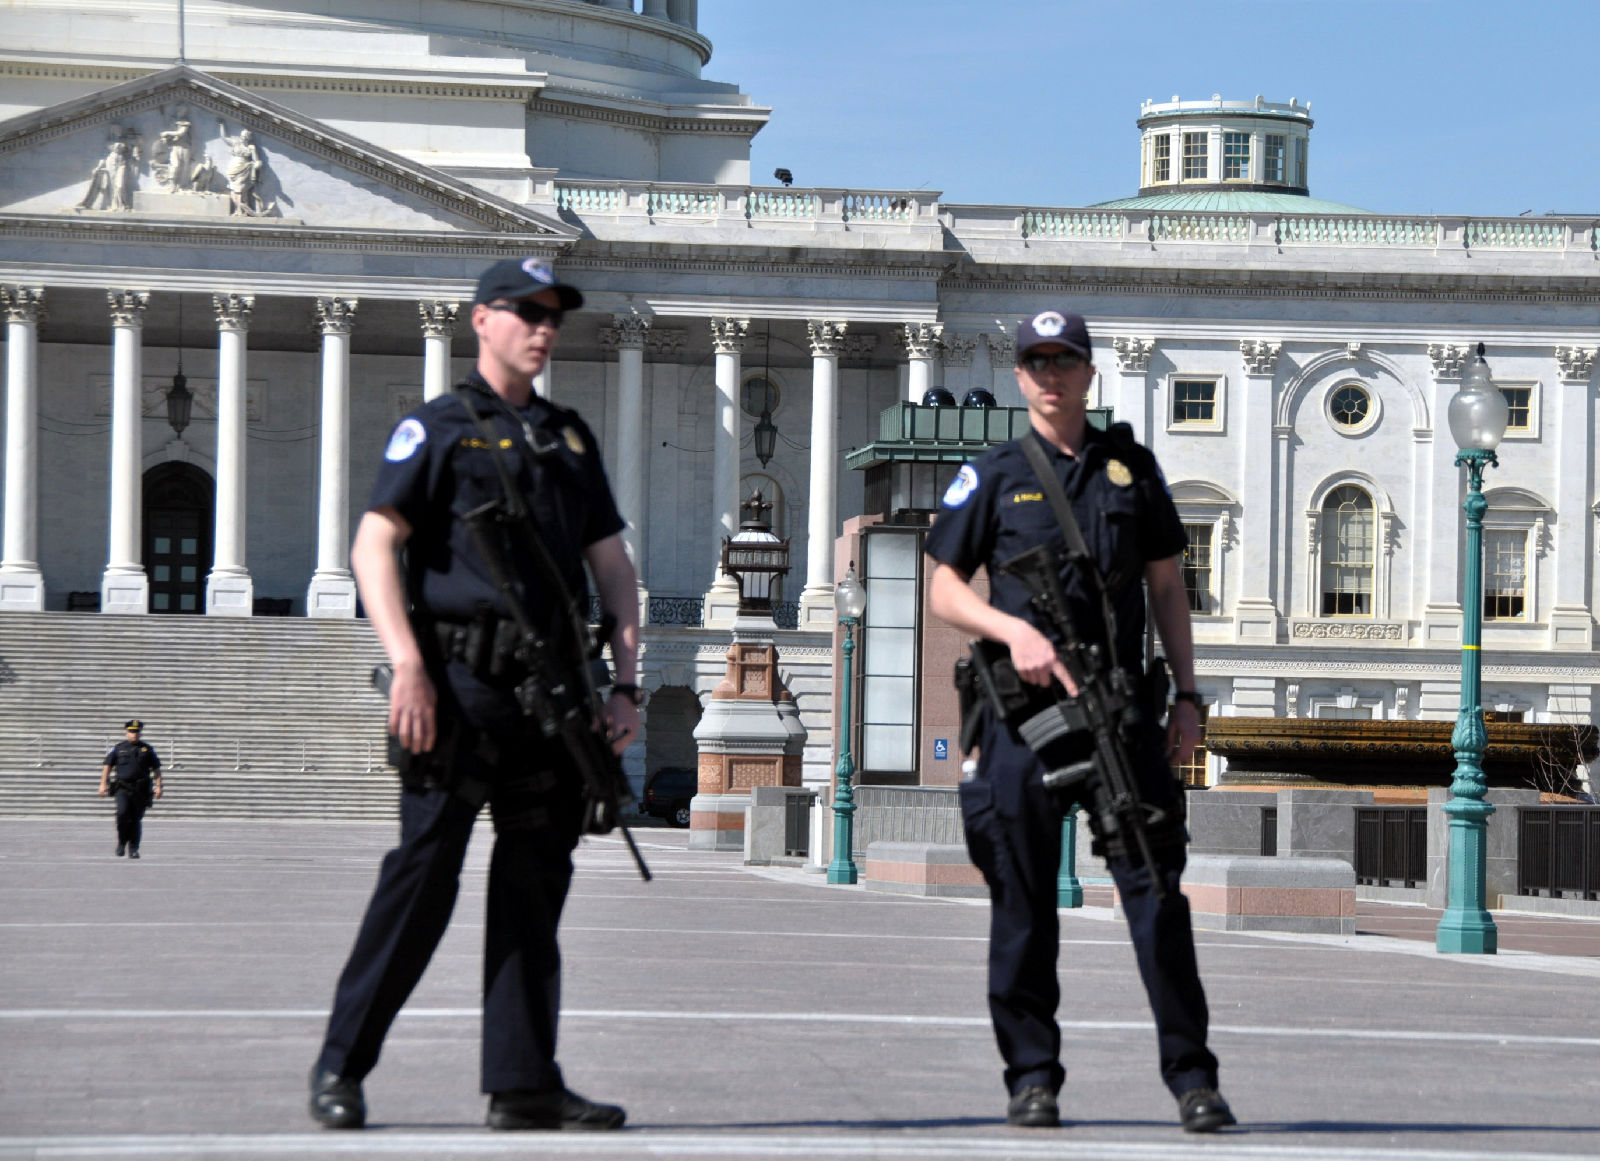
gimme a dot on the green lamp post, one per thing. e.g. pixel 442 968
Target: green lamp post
pixel 849 601
pixel 1478 415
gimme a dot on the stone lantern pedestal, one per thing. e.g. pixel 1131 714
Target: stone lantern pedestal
pixel 749 735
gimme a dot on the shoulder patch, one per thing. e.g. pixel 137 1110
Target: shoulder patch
pixel 405 441
pixel 962 487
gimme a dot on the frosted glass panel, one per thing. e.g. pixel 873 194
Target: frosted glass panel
pixel 162 573
pixel 890 699
pixel 890 651
pixel 886 748
pixel 892 603
pixel 892 555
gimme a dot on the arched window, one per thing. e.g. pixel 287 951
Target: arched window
pixel 1347 553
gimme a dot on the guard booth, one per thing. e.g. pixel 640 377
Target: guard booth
pixel 905 723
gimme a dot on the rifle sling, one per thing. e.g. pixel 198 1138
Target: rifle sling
pixel 1039 461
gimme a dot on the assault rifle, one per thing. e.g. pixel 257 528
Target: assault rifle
pixel 1083 741
pixel 560 693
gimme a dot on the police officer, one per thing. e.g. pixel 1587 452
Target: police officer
pixel 993 511
pixel 446 629
pixel 137 783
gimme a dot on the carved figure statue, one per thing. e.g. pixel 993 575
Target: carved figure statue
pixel 243 174
pixel 170 159
pixel 112 180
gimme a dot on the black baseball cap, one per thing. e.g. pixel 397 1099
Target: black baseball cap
pixel 522 278
pixel 1060 327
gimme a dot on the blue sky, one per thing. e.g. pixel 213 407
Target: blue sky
pixel 1421 106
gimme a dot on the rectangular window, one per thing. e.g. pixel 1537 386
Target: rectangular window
pixel 1347 554
pixel 1505 559
pixel 1161 169
pixel 1272 169
pixel 1520 401
pixel 1353 713
pixel 1194 156
pixel 1300 161
pixel 1236 156
pixel 1197 567
pixel 1194 401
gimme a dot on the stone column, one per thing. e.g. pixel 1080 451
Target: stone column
pixel 1002 352
pixel 1441 613
pixel 21 581
pixel 229 590
pixel 958 357
pixel 333 587
pixel 822 513
pixel 1255 613
pixel 628 334
pixel 438 325
pixel 1571 620
pixel 922 345
pixel 1131 403
pixel 728 337
pixel 656 9
pixel 124 588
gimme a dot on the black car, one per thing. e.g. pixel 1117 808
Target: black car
pixel 667 793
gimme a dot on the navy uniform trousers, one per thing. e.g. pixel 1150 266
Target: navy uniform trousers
pixel 530 870
pixel 1013 830
pixel 133 799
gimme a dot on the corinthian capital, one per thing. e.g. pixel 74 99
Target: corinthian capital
pixel 958 349
pixel 827 336
pixel 127 307
pixel 233 311
pixel 1577 363
pixel 627 332
pixel 1260 355
pixel 728 335
pixel 1002 349
pixel 1447 359
pixel 921 339
pixel 1133 354
pixel 438 317
pixel 22 304
pixel 336 316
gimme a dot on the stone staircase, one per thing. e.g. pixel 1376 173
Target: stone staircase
pixel 252 717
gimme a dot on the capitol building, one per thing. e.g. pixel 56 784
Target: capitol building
pixel 235 250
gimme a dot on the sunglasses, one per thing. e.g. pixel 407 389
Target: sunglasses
pixel 530 312
pixel 1064 360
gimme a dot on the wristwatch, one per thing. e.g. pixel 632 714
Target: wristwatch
pixel 1192 696
pixel 630 691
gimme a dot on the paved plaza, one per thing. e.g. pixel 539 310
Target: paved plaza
pixel 170 1008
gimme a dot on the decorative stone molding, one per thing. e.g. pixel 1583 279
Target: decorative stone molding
pixel 858 346
pixel 1577 363
pixel 127 307
pixel 920 340
pixel 827 336
pixel 1402 702
pixel 664 341
pixel 22 304
pixel 728 335
pixel 627 332
pixel 233 311
pixel 1448 359
pixel 336 316
pixel 1002 349
pixel 1133 354
pixel 1347 631
pixel 959 349
pixel 1541 537
pixel 1260 356
pixel 438 317
pixel 1352 351
pixel 1291 699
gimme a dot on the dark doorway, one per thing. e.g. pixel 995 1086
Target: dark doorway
pixel 179 503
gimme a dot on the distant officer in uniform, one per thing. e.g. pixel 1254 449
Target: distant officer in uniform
pixel 448 635
pixel 132 772
pixel 993 511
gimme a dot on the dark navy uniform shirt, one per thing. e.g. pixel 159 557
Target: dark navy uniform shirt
pixel 132 762
pixel 996 510
pixel 437 467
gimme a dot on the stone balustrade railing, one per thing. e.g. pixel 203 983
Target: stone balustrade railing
pixel 724 205
pixel 720 204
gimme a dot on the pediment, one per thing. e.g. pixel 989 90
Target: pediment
pixel 181 145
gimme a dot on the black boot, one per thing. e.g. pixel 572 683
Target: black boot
pixel 336 1101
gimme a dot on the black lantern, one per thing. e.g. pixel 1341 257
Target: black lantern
pixel 754 556
pixel 766 435
pixel 179 398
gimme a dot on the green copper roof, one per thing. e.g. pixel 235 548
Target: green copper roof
pixel 1231 201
